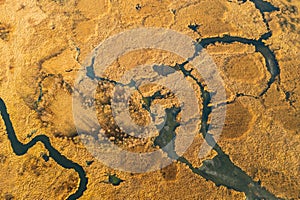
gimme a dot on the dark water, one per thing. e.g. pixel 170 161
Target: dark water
pixel 261 47
pixel 264 6
pixel 220 169
pixel 20 149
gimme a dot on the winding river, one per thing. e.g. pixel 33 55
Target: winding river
pixel 20 149
pixel 220 169
pixel 260 46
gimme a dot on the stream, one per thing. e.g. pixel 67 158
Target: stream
pixel 220 169
pixel 21 149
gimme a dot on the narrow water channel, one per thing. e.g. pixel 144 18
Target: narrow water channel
pixel 220 169
pixel 21 149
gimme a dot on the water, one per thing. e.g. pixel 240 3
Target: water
pixel 21 149
pixel 220 169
